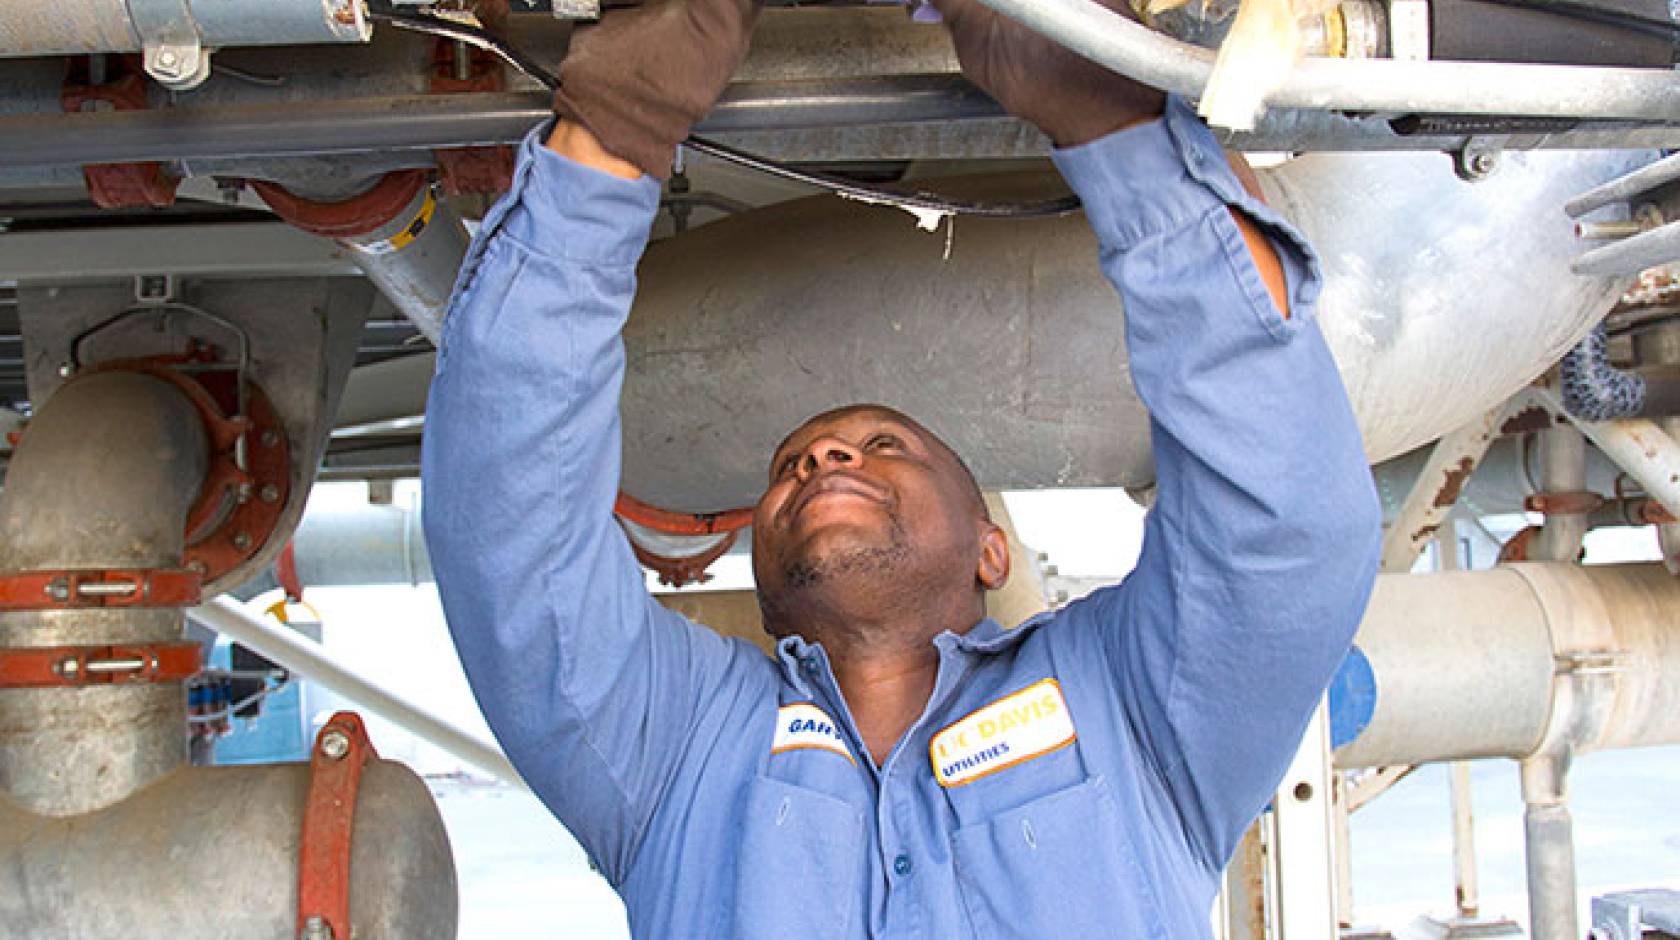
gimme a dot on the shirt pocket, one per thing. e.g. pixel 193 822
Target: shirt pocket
pixel 1057 866
pixel 799 862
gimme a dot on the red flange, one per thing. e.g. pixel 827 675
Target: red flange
pixel 681 523
pixel 342 749
pixel 118 185
pixel 676 571
pixel 347 218
pixel 35 667
pixel 238 508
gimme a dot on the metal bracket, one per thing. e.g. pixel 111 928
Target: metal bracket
pixel 37 667
pixel 70 589
pixel 170 48
pixel 342 749
pixel 1478 159
pixel 1626 915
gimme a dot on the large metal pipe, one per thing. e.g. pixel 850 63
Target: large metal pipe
pixel 304 656
pixel 78 27
pixel 1516 661
pixel 102 479
pixel 1382 85
pixel 1012 347
pixel 213 853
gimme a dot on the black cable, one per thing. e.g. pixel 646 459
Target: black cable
pixel 1593 13
pixel 918 201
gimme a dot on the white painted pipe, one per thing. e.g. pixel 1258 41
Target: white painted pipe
pixel 309 659
pixel 1517 661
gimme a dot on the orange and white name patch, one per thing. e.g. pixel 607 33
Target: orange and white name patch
pixel 1013 729
pixel 803 725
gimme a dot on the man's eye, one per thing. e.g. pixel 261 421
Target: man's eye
pixel 882 440
pixel 787 465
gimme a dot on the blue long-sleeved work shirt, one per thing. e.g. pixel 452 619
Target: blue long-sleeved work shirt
pixel 1086 774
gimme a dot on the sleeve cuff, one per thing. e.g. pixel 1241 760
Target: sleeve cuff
pixel 561 208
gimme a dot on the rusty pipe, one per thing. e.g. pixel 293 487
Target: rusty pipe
pixel 103 478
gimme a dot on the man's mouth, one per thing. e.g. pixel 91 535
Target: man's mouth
pixel 835 483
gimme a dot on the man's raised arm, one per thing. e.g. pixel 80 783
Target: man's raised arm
pixel 593 689
pixel 1261 548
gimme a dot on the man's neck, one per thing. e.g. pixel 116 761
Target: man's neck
pixel 879 639
pixel 886 690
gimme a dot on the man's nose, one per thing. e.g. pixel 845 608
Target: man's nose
pixel 825 452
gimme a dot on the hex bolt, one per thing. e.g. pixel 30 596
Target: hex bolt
pixel 241 541
pixel 335 744
pixel 315 928
pixel 168 59
pixel 198 567
pixel 1484 163
pixel 269 494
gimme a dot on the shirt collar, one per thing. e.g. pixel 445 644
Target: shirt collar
pixel 802 662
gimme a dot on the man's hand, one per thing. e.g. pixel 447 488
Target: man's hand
pixel 641 78
pixel 1070 98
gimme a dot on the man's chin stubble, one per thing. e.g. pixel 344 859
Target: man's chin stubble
pixel 807 573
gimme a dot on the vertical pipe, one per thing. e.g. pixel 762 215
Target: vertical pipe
pixel 1563 469
pixel 103 479
pixel 1550 848
pixel 1464 843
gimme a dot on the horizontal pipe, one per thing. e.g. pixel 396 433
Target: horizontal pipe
pixel 212 852
pixel 1511 662
pixel 1624 188
pixel 1381 85
pixel 304 656
pixel 80 27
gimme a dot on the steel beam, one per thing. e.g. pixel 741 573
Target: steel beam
pixel 249 249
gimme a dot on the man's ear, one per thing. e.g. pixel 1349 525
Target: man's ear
pixel 993 569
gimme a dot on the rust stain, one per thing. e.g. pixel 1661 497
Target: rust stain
pixel 1526 420
pixel 1454 483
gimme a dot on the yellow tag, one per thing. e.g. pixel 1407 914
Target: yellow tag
pixel 1015 728
pixel 409 232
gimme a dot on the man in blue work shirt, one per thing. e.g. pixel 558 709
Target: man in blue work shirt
pixel 903 767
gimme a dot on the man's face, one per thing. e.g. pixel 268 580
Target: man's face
pixel 858 499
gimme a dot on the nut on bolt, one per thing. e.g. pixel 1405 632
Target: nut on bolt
pixel 335 744
pixel 315 928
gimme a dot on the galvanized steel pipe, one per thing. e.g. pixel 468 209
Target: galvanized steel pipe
pixel 80 27
pixel 103 478
pixel 1381 85
pixel 212 853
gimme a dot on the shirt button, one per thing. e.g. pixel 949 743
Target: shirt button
pixel 901 865
pixel 809 664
